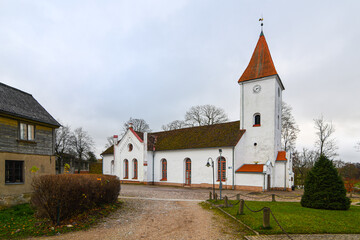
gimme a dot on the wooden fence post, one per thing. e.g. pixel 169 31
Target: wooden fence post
pixel 210 195
pixel 273 198
pixel 266 217
pixel 241 207
pixel 226 203
pixel 238 196
pixel 215 197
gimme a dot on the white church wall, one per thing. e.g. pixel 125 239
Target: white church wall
pixel 200 174
pixel 279 176
pixel 122 153
pixel 250 181
pixel 107 164
pixel 266 136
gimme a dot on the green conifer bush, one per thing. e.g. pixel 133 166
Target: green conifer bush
pixel 324 188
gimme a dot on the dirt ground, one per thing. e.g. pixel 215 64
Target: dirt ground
pixel 154 212
pixel 175 214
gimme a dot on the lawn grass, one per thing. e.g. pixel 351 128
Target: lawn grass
pixel 19 221
pixel 296 219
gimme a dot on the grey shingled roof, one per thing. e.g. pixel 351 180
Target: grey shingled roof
pixel 21 104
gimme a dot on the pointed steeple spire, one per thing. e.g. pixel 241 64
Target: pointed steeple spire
pixel 261 64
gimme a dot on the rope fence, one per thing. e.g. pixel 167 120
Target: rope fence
pixel 266 210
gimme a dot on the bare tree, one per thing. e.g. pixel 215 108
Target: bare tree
pixel 302 163
pixel 82 144
pixel 205 115
pixel 289 130
pixel 325 144
pixel 62 144
pixel 110 142
pixel 177 124
pixel 139 125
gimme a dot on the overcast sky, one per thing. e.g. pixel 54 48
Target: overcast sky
pixel 95 64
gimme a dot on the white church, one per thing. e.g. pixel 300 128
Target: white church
pixel 246 154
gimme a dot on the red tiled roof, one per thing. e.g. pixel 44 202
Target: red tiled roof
pixel 261 63
pixel 281 156
pixel 255 168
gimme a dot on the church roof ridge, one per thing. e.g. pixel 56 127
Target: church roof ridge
pixel 261 64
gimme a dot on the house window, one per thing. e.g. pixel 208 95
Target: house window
pixel 135 164
pixel 257 121
pixel 14 171
pixel 126 169
pixel 130 147
pixel 27 132
pixel 163 170
pixel 221 169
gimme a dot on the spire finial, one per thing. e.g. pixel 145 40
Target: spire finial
pixel 262 24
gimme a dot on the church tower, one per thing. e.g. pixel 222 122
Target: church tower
pixel 260 105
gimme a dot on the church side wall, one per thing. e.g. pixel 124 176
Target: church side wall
pixel 200 174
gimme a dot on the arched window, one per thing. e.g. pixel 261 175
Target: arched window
pixel 135 165
pixel 126 169
pixel 257 120
pixel 221 169
pixel 163 170
pixel 130 147
pixel 187 171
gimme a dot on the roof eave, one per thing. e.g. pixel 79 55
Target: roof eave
pixel 20 117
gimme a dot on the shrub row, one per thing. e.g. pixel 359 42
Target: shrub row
pixel 69 195
pixel 95 168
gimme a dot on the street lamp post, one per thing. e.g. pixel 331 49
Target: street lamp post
pixel 212 165
pixel 220 151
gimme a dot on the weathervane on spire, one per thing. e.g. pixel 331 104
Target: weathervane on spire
pixel 261 20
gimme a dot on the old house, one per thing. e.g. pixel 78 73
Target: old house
pixel 27 139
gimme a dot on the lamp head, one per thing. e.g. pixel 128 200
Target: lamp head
pixel 207 164
pixel 220 150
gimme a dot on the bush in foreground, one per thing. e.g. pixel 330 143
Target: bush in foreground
pixel 324 188
pixel 72 194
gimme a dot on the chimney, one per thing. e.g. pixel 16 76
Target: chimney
pixel 115 139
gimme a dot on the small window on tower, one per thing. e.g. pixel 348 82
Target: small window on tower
pixel 257 122
pixel 278 92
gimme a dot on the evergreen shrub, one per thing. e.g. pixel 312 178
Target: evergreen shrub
pixel 72 194
pixel 324 188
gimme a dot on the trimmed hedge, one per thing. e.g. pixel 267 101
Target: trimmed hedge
pixel 72 194
pixel 95 168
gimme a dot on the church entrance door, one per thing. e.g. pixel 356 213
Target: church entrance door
pixel 187 171
pixel 268 182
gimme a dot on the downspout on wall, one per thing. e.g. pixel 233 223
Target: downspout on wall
pixel 233 167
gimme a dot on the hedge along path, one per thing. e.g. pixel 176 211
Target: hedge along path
pixel 160 219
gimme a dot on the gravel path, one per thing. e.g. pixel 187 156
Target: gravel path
pixel 160 218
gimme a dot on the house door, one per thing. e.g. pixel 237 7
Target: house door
pixel 187 171
pixel 268 183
